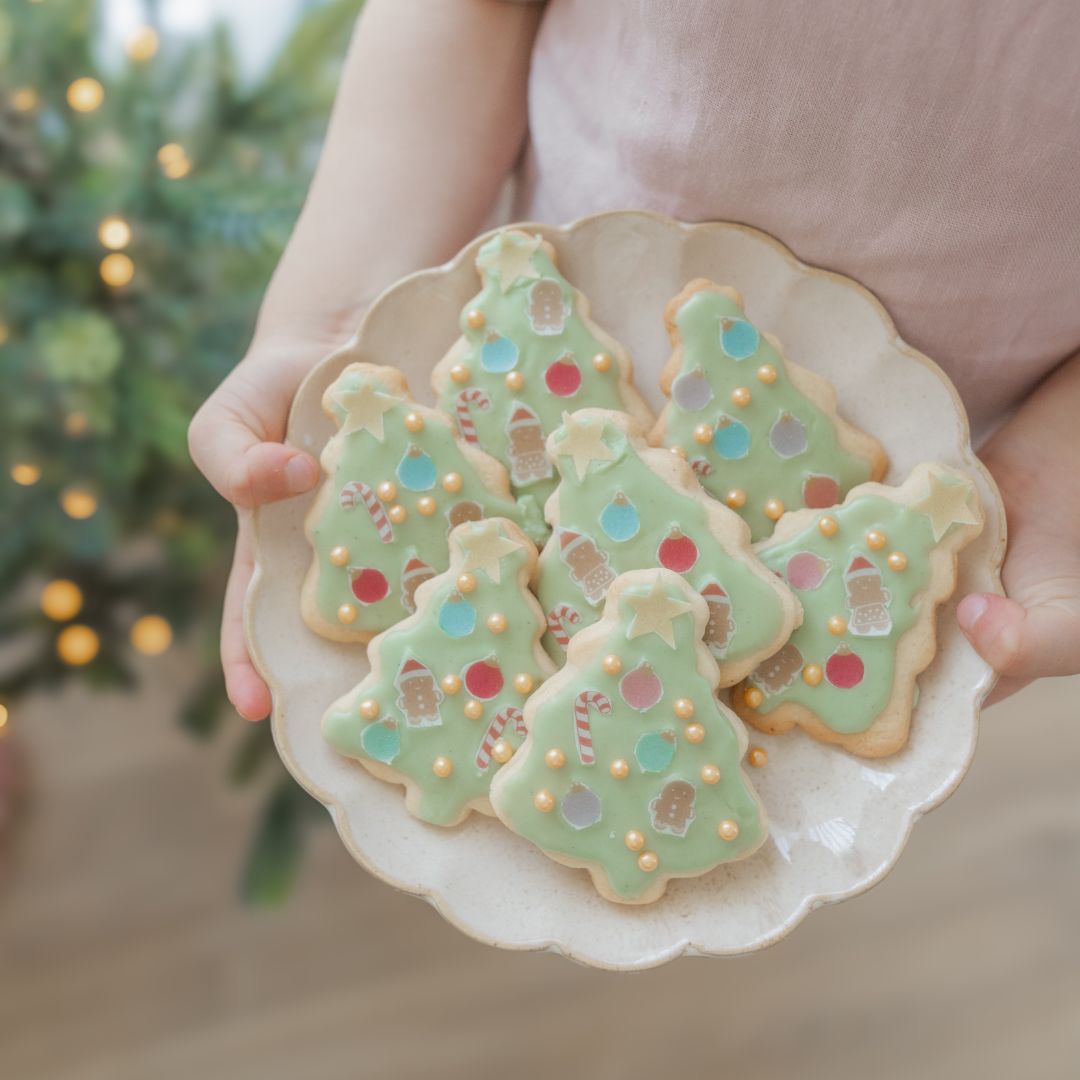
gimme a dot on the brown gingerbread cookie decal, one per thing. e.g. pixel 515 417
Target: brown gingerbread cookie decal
pixel 588 564
pixel 525 447
pixel 547 308
pixel 418 694
pixel 673 809
pixel 779 671
pixel 867 599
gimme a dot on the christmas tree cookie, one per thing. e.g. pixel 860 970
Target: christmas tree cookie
pixel 762 433
pixel 622 505
pixel 442 706
pixel 632 767
pixel 528 352
pixel 396 480
pixel 870 575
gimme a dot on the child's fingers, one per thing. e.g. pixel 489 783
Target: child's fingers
pixel 243 684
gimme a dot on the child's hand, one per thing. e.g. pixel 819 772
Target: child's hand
pixel 1035 459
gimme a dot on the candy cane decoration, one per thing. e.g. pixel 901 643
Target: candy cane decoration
pixel 494 732
pixel 357 490
pixel 557 619
pixel 588 699
pixel 474 396
pixel 701 467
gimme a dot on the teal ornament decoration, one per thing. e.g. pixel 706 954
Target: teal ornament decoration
pixel 498 353
pixel 381 740
pixel 655 751
pixel 457 616
pixel 620 519
pixel 739 338
pixel 416 470
pixel 731 438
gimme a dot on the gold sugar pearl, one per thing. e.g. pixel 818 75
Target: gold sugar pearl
pixel 555 758
pixel 496 622
pixel 684 708
pixel 451 684
pixel 473 709
pixel 524 682
pixel 740 396
pixel 897 560
pixel 678 451
pixel 828 525
pixel 602 361
pixel 774 509
pixel 812 674
pixel 837 625
pixel 387 491
pixel 694 733
pixel 426 505
pixel 452 482
pixel 766 374
pixel 648 861
pixel 475 319
pixel 710 774
pixel 634 840
pixel 369 708
pixel 619 769
pixel 460 373
pixel 514 380
pixel 414 422
pixel 339 556
pixel 703 434
pixel 876 539
pixel 397 513
pixel 442 767
pixel 544 801
pixel 728 830
pixel 753 697
pixel 346 613
pixel 758 756
pixel 466 582
pixel 612 664
pixel 735 498
pixel 502 751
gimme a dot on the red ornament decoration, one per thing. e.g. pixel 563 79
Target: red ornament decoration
pixel 563 377
pixel 677 551
pixel 820 492
pixel 844 669
pixel 369 585
pixel 641 688
pixel 484 679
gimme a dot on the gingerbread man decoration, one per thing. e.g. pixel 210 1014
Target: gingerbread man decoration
pixel 673 809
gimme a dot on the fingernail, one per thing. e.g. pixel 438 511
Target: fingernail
pixel 970 610
pixel 300 475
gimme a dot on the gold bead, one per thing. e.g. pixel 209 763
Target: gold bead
pixel 466 582
pixel 544 801
pixel 766 374
pixel 897 560
pixel 347 613
pixel 710 774
pixel 524 682
pixel 475 319
pixel 387 491
pixel 684 708
pixel 602 361
pixel 339 555
pixel 753 697
pixel 473 709
pixel 648 861
pixel 452 482
pixel 555 758
pixel 694 733
pixel 496 622
pixel 678 451
pixel 634 840
pixel 619 769
pixel 812 674
pixel 740 396
pixel 369 708
pixel 828 525
pixel 735 498
pixel 612 664
pixel 703 433
pixel 442 767
pixel 514 380
pixel 459 373
pixel 502 751
pixel 451 684
pixel 426 505
pixel 728 830
pixel 397 513
pixel 837 625
pixel 758 756
pixel 774 509
pixel 414 422
pixel 876 539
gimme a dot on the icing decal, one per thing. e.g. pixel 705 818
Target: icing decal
pixel 418 694
pixel 721 625
pixel 867 599
pixel 457 616
pixel 413 574
pixel 820 492
pixel 788 436
pixel 558 619
pixel 498 353
pixel 581 807
pixel 358 490
pixel 381 741
pixel 416 470
pixel 525 446
pixel 672 810
pixel 588 564
pixel 368 584
pixel 738 338
pixel 731 438
pixel 806 570
pixel 654 751
pixel 779 671
pixel 563 378
pixel 641 688
pixel 467 400
pixel 583 703
pixel 620 519
pixel 509 715
pixel 484 679
pixel 692 391
pixel 844 669
pixel 677 552
pixel 548 311
pixel 462 511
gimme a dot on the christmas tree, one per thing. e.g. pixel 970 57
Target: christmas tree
pixel 621 505
pixel 870 574
pixel 397 480
pixel 442 707
pixel 529 351
pixel 632 767
pixel 762 434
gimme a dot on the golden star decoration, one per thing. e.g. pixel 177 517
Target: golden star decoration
pixel 946 504
pixel 584 442
pixel 364 407
pixel 654 613
pixel 512 259
pixel 484 548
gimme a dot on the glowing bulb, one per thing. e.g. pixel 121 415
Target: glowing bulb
pixel 85 95
pixel 75 424
pixel 151 635
pixel 24 99
pixel 117 269
pixel 174 161
pixel 78 503
pixel 114 232
pixel 77 645
pixel 24 474
pixel 61 600
pixel 142 44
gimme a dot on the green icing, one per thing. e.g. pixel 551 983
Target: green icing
pixel 758 468
pixel 438 724
pixel 509 341
pixel 357 455
pixel 664 515
pixel 628 804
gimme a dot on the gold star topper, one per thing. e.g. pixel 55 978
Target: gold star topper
pixel 583 440
pixel 364 407
pixel 654 613
pixel 484 548
pixel 511 259
pixel 946 504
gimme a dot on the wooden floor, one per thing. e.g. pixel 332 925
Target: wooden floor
pixel 125 956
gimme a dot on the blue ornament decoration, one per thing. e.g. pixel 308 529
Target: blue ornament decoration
pixel 731 438
pixel 739 338
pixel 498 353
pixel 416 470
pixel 381 741
pixel 457 616
pixel 654 751
pixel 620 519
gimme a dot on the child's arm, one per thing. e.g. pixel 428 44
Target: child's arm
pixel 1035 459
pixel 430 116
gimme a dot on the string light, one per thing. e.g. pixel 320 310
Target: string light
pixel 77 645
pixel 25 474
pixel 75 424
pixel 25 99
pixel 78 503
pixel 151 635
pixel 114 233
pixel 61 600
pixel 142 44
pixel 117 270
pixel 85 95
pixel 174 161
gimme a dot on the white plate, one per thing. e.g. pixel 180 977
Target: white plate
pixel 838 823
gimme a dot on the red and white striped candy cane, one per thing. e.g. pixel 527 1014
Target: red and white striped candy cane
pixel 557 619
pixel 494 732
pixel 473 396
pixel 586 700
pixel 357 490
pixel 700 466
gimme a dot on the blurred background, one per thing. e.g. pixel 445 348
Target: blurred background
pixel 170 905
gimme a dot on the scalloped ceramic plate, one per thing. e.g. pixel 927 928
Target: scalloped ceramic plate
pixel 838 823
